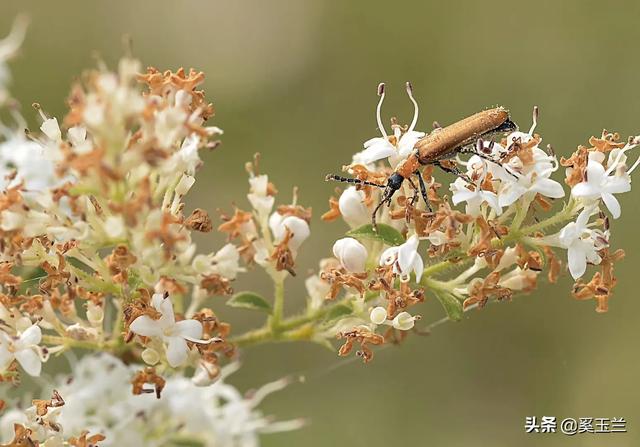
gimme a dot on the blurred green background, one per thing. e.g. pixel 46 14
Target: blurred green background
pixel 296 81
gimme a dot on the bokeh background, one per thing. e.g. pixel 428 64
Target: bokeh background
pixel 296 81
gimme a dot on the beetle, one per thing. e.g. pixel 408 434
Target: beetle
pixel 443 143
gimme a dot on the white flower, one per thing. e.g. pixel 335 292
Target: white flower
pixel 518 279
pixel 185 184
pixel 317 288
pixel 174 334
pixel 351 254
pixel 225 262
pixel 602 184
pixel 474 198
pixel 34 164
pixel 381 147
pixel 24 349
pixel 404 258
pixel 51 129
pixel 169 125
pixel 404 321
pixel 99 399
pixel 378 315
pixel 582 244
pixel 298 227
pixel 258 195
pixel 352 207
pixel 517 179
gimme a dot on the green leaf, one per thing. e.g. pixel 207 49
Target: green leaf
pixel 338 311
pixel 385 233
pixel 249 300
pixel 452 306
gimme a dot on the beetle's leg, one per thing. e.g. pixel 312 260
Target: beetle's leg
pixel 453 170
pixel 475 149
pixel 412 201
pixel 386 198
pixel 423 190
pixel 415 190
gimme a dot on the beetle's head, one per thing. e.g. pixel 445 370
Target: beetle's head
pixel 394 183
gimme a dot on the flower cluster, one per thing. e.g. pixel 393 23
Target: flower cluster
pixel 94 403
pixel 496 245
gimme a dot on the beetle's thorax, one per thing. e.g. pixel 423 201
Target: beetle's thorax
pixel 410 165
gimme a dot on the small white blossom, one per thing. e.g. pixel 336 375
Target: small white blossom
pixel 225 262
pixel 404 258
pixel 404 321
pixel 518 180
pixel 351 254
pixel 518 279
pixel 258 195
pixel 582 243
pixel 352 207
pixel 51 129
pixel 24 349
pixel 378 315
pixel 34 163
pixel 601 184
pixel 298 227
pixel 474 198
pixel 174 334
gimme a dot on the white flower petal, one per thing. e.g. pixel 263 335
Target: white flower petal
pixel 377 149
pixel 548 188
pixel 6 358
pixel 177 351
pixel 32 336
pixel 146 326
pixel 577 261
pixel 510 194
pixel 585 189
pixel 30 361
pixel 188 329
pixel 595 172
pixel 612 204
pixel 166 309
pixel 617 185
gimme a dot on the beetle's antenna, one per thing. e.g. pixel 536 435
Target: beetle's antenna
pixel 415 106
pixel 535 120
pixel 379 108
pixel 357 181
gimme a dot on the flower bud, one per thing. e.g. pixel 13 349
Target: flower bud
pixel 297 226
pixel 352 208
pixel 351 254
pixel 150 356
pixel 378 315
pixel 95 314
pixel 51 129
pixel 509 258
pixel 185 184
pixel 404 321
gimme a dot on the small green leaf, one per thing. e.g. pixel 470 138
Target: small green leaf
pixel 385 233
pixel 338 311
pixel 452 306
pixel 249 300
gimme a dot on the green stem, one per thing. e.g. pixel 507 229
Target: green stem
pixel 81 344
pixel 278 305
pixel 521 211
